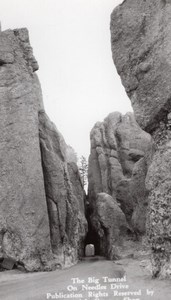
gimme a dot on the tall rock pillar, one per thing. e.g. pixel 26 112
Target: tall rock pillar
pixel 42 221
pixel 24 224
pixel 141 48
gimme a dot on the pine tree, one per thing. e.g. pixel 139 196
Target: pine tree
pixel 83 169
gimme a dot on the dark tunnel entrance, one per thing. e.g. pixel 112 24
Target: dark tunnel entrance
pixel 92 238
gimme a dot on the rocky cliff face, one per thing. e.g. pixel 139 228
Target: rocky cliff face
pixel 108 226
pixel 41 223
pixel 118 147
pixel 64 194
pixel 140 36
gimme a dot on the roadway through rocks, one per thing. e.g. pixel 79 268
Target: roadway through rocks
pixel 85 281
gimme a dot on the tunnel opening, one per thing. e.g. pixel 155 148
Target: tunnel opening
pixel 96 236
pixel 92 239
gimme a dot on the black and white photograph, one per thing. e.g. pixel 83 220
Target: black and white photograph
pixel 85 149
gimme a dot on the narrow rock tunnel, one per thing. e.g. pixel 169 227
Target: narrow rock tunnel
pixel 92 237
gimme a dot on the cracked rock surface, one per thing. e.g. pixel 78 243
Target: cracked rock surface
pixel 117 166
pixel 34 180
pixel 141 47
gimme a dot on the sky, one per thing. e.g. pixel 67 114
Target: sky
pixel 71 42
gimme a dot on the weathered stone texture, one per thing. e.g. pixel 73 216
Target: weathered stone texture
pixel 158 182
pixel 110 225
pixel 117 145
pixel 141 47
pixel 80 198
pixel 64 193
pixel 139 195
pixel 25 225
pixel 29 194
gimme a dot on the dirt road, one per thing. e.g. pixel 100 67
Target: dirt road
pixel 91 282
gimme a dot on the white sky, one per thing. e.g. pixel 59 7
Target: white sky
pixel 71 41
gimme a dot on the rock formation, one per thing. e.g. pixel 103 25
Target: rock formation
pixel 118 146
pixel 110 225
pixel 64 194
pixel 42 221
pixel 139 196
pixel 140 37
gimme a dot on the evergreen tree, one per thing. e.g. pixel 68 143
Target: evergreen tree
pixel 83 169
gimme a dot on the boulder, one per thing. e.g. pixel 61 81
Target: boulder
pixel 110 225
pixel 140 37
